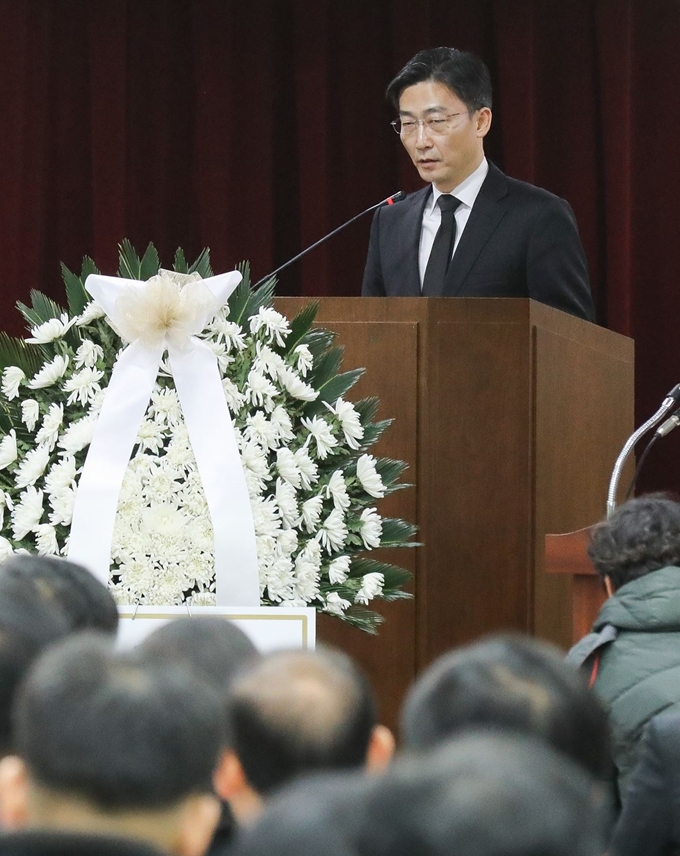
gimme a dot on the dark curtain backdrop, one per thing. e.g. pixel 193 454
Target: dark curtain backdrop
pixel 255 128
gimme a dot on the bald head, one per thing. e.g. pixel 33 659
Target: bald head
pixel 297 712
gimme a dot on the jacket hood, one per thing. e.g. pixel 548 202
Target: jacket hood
pixel 649 603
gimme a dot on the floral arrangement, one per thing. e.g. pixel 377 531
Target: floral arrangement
pixel 304 448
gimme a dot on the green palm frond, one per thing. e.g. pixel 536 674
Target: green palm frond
pixel 300 326
pixel 15 352
pixel 202 264
pixel 76 296
pixel 397 533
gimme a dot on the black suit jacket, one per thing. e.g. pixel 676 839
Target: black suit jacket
pixel 649 824
pixel 519 241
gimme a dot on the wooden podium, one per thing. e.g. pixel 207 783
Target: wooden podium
pixel 510 415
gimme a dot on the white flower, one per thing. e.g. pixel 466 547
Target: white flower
pixel 321 431
pixel 304 359
pixel 287 541
pixel 234 398
pixel 335 605
pixel 338 570
pixel 77 435
pixel 369 477
pixel 259 390
pixel 83 385
pixel 296 386
pixel 11 379
pixel 26 515
pixel 309 472
pixel 30 413
pixel 49 373
pixel 50 330
pixel 275 326
pixel 62 504
pixel 61 475
pixel 285 499
pixel 268 361
pixel 349 422
pixel 32 466
pixel 260 429
pixel 150 436
pixel 46 539
pixel 5 549
pixel 166 406
pixel 333 532
pixel 255 460
pixel 88 354
pixel 287 467
pixel 371 586
pixel 337 490
pixel 91 312
pixel 371 528
pixel 311 512
pixel 230 332
pixel 49 430
pixel 282 422
pixel 8 449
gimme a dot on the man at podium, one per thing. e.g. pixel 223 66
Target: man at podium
pixel 473 232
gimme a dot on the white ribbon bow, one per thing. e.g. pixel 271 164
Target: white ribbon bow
pixel 166 313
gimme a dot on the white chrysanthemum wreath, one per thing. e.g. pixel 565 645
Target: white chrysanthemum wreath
pixel 312 481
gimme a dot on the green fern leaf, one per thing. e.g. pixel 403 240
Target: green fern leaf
pixel 300 325
pixel 15 352
pixel 180 263
pixel 76 296
pixel 150 263
pixel 202 264
pixel 129 265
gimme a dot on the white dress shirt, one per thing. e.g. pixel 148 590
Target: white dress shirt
pixel 432 216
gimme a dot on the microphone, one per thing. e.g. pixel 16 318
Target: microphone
pixel 671 400
pixel 669 425
pixel 395 197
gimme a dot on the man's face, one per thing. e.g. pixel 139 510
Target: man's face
pixel 443 159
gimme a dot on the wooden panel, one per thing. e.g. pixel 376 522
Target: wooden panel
pixel 584 412
pixel 475 482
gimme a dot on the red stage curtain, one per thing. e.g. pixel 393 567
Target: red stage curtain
pixel 254 128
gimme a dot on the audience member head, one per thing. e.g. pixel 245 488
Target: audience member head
pixel 318 814
pixel 111 743
pixel 509 683
pixel 27 626
pixel 485 795
pixel 642 536
pixel 85 602
pixel 461 72
pixel 212 647
pixel 295 713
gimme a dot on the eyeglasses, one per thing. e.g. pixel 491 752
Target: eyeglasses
pixel 436 125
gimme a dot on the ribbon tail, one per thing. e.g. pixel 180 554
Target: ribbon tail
pixel 199 388
pixel 94 513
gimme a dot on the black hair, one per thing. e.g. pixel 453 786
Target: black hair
pixel 463 73
pixel 27 626
pixel 485 795
pixel 115 728
pixel 642 536
pixel 513 683
pixel 299 712
pixel 212 647
pixel 318 814
pixel 85 602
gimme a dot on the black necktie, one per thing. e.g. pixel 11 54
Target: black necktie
pixel 442 248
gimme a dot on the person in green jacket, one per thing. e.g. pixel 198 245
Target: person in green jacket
pixel 633 650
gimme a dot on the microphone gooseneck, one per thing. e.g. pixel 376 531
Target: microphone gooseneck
pixel 670 401
pixel 395 197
